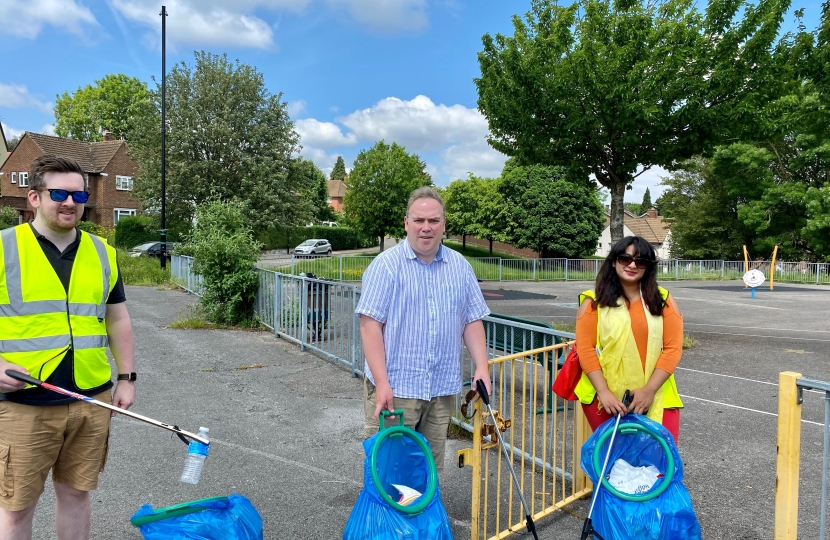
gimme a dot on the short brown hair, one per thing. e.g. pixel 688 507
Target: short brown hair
pixel 424 192
pixel 49 163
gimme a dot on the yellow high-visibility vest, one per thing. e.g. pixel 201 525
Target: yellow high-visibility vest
pixel 620 359
pixel 39 322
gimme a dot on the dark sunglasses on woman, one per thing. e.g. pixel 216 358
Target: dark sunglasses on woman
pixel 60 195
pixel 640 262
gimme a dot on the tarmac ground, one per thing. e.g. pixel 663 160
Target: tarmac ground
pixel 286 425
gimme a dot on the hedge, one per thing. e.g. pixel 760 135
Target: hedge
pixel 340 237
pixel 134 230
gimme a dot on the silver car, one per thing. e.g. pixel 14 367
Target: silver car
pixel 316 247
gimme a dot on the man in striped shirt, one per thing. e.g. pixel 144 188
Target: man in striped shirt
pixel 418 301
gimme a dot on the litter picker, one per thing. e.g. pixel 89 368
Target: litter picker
pixel 182 434
pixel 588 528
pixel 482 392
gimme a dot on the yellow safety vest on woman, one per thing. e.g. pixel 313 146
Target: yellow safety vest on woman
pixel 620 359
pixel 40 322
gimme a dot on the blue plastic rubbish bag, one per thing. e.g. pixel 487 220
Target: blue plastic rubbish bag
pixel 219 518
pixel 667 515
pixel 400 460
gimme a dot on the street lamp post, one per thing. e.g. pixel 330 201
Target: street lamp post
pixel 163 136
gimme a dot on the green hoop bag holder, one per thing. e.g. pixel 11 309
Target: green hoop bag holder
pixel 398 456
pixel 217 518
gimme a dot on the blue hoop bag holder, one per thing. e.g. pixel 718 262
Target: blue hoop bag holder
pixel 665 511
pixel 398 455
pixel 218 518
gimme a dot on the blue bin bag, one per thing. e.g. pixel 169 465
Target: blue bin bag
pixel 221 518
pixel 669 515
pixel 399 461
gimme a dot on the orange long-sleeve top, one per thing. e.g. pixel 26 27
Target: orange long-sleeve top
pixel 586 335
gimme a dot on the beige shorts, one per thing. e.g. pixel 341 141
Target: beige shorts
pixel 71 440
pixel 429 418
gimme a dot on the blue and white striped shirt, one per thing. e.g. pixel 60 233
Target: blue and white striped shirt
pixel 425 308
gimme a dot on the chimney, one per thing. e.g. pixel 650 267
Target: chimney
pixel 108 135
pixel 652 212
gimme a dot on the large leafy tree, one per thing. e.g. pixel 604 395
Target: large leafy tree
pixel 603 88
pixel 304 172
pixel 339 170
pixel 550 213
pixel 378 189
pixel 461 200
pixel 112 103
pixel 491 220
pixel 228 138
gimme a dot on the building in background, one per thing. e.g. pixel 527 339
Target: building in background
pixel 109 175
pixel 650 226
pixel 337 190
pixel 4 147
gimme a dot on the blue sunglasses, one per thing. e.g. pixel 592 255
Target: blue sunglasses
pixel 60 195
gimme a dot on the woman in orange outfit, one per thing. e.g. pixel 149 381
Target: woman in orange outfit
pixel 638 329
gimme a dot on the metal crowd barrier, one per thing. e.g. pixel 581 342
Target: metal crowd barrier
pixel 183 275
pixel 791 387
pixel 545 447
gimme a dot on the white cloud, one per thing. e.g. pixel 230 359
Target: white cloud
pixel 209 22
pixel 295 108
pixel 478 158
pixel 386 15
pixel 48 129
pixel 30 16
pixel 11 132
pixel 17 96
pixel 322 134
pixel 320 158
pixel 418 124
pixel 650 179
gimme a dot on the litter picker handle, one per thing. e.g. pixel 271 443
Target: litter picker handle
pixel 626 400
pixel 482 391
pixel 182 434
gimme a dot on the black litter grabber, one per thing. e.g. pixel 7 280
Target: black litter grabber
pixel 485 397
pixel 588 528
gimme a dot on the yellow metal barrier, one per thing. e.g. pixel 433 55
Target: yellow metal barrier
pixel 545 446
pixel 787 462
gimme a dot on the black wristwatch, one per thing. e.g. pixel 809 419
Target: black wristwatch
pixel 127 376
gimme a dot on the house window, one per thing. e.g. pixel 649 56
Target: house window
pixel 24 179
pixel 124 183
pixel 14 178
pixel 329 200
pixel 118 213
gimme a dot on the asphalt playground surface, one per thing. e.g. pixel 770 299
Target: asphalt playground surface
pixel 286 425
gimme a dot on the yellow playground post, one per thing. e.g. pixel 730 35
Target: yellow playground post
pixel 772 267
pixel 746 265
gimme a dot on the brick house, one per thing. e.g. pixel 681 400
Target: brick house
pixel 337 190
pixel 4 147
pixel 109 175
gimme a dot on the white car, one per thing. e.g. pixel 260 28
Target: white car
pixel 316 247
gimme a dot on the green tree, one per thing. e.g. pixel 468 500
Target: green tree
pixel 492 216
pixel 461 198
pixel 549 213
pixel 304 172
pixel 224 254
pixel 8 217
pixel 113 104
pixel 646 205
pixel 605 88
pixel 339 170
pixel 378 189
pixel 228 138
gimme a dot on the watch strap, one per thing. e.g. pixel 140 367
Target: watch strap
pixel 127 376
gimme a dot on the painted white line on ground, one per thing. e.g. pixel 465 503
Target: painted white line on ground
pixel 728 376
pixel 728 303
pixel 756 335
pixel 745 408
pixel 756 328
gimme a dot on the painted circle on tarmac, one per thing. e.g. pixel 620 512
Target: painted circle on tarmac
pixel 754 278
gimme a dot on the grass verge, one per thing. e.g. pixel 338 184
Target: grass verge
pixel 142 270
pixel 688 342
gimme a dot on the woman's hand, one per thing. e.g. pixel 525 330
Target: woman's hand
pixel 610 402
pixel 641 400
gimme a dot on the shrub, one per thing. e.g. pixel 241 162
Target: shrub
pixel 225 252
pixel 141 270
pixel 8 217
pixel 134 230
pixel 93 228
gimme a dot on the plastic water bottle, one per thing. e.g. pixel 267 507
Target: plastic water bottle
pixel 194 462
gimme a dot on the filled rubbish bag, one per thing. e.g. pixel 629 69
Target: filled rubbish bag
pixel 402 459
pixel 663 511
pixel 218 518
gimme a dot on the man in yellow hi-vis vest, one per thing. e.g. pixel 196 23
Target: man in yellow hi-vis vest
pixel 61 304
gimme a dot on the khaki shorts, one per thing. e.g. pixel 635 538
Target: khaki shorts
pixel 429 418
pixel 70 439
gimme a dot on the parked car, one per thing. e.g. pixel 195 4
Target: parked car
pixel 151 249
pixel 316 247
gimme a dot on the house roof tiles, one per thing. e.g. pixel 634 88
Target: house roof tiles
pixel 337 188
pixel 653 229
pixel 92 156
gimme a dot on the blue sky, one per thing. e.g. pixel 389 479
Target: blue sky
pixel 352 71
